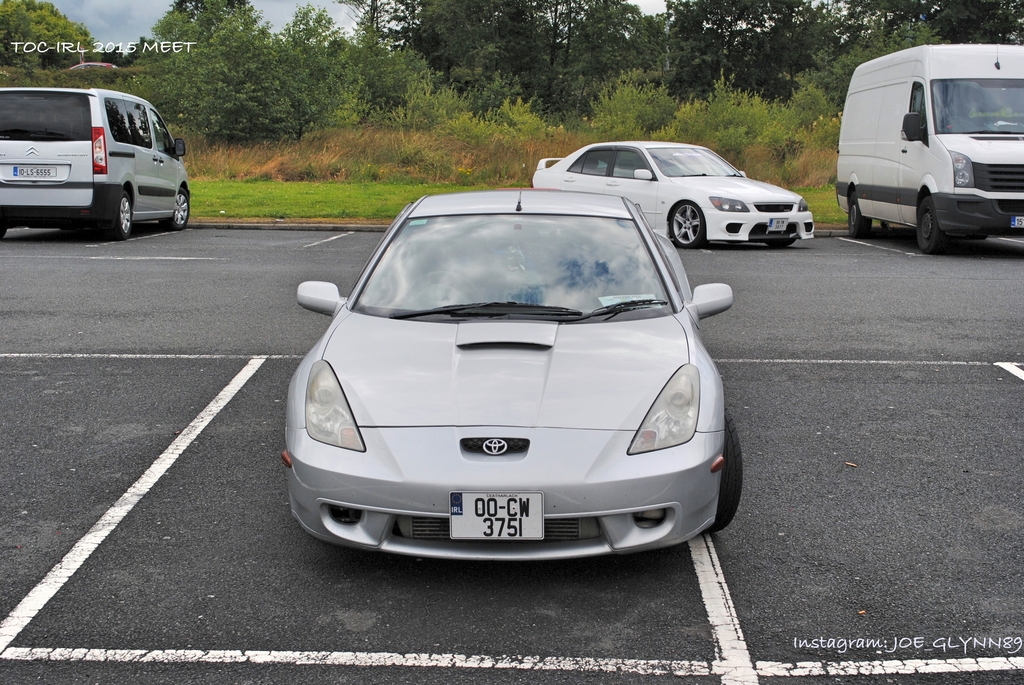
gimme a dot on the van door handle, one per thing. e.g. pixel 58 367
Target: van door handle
pixel 155 160
pixel 904 150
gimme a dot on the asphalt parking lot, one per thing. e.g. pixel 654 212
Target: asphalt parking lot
pixel 147 536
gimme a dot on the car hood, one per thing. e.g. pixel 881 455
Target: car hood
pixel 986 149
pixel 504 373
pixel 736 187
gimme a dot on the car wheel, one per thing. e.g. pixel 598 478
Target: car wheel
pixel 179 220
pixel 930 237
pixel 781 243
pixel 858 225
pixel 731 484
pixel 686 226
pixel 121 225
pixel 3 231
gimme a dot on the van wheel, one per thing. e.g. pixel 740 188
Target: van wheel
pixel 179 220
pixel 930 237
pixel 686 226
pixel 121 225
pixel 731 484
pixel 3 230
pixel 858 225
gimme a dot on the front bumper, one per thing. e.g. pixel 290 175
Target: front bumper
pixel 584 474
pixel 753 226
pixel 977 215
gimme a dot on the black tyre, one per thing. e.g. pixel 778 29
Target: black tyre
pixel 182 209
pixel 120 227
pixel 3 230
pixel 686 226
pixel 930 237
pixel 858 225
pixel 731 484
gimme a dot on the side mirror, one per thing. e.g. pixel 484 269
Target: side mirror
pixel 179 147
pixel 912 126
pixel 710 299
pixel 320 297
pixel 743 174
pixel 643 175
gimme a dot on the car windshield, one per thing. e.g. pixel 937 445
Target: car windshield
pixel 515 266
pixel 690 161
pixel 41 115
pixel 978 105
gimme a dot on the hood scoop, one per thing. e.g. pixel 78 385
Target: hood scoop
pixel 506 333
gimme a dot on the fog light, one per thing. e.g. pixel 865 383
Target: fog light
pixel 346 515
pixel 649 518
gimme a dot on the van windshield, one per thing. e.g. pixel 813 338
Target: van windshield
pixel 978 105
pixel 41 115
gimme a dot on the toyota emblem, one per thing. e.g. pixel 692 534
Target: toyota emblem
pixel 495 446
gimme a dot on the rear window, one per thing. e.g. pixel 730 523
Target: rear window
pixel 44 116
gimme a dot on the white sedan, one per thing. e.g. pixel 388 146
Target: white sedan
pixel 685 191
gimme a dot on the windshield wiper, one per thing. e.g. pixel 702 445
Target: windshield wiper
pixel 492 309
pixel 619 307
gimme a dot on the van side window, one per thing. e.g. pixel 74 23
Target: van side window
pixel 162 137
pixel 917 105
pixel 138 122
pixel 118 120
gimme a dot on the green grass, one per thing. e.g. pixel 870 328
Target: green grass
pixel 299 200
pixel 371 201
pixel 822 202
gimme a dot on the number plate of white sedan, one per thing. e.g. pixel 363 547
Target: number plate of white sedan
pixel 777 224
pixel 35 172
pixel 1017 222
pixel 497 515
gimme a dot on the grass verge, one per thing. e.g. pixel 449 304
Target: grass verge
pixel 374 202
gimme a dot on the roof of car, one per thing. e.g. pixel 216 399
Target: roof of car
pixel 530 201
pixel 642 143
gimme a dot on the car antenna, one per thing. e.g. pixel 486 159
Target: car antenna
pixel 997 57
pixel 519 203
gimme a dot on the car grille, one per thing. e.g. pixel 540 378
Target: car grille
pixel 555 530
pixel 774 209
pixel 1011 206
pixel 999 178
pixel 477 444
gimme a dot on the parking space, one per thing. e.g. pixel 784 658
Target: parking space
pixel 881 497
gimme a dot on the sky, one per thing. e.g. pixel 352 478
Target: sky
pixel 121 21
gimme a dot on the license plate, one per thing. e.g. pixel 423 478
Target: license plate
pixel 1017 222
pixel 35 172
pixel 497 515
pixel 777 224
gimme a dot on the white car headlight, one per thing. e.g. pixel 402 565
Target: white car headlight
pixel 328 416
pixel 672 419
pixel 728 204
pixel 963 170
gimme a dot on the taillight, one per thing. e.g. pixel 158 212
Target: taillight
pixel 99 151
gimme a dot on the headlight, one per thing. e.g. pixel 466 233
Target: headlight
pixel 803 206
pixel 728 204
pixel 672 419
pixel 328 416
pixel 963 170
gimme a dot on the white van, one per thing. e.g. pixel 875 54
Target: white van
pixel 88 159
pixel 933 137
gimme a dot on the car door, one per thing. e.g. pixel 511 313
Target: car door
pixel 589 172
pixel 147 164
pixel 640 191
pixel 169 166
pixel 915 158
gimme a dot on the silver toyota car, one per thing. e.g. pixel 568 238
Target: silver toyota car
pixel 516 375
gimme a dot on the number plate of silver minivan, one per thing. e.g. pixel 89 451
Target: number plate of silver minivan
pixel 34 172
pixel 497 515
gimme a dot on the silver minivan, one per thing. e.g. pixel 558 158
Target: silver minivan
pixel 93 158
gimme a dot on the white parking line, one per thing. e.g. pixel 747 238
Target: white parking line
pixel 884 362
pixel 327 240
pixel 1012 368
pixel 130 259
pixel 732 660
pixel 520 663
pixel 42 593
pixel 105 355
pixel 894 667
pixel 1011 240
pixel 139 237
pixel 879 247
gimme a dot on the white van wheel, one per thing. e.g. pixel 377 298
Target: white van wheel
pixel 859 226
pixel 930 237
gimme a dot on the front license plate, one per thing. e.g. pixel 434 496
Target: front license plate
pixel 35 172
pixel 497 515
pixel 1017 222
pixel 777 224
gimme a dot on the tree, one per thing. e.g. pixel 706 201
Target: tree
pixel 312 49
pixel 32 21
